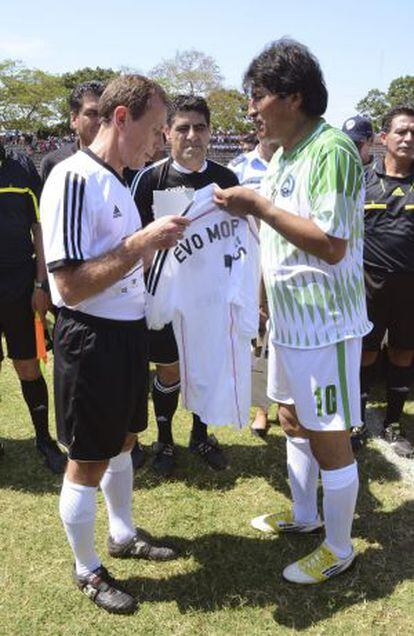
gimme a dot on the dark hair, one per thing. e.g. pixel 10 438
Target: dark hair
pixel 249 138
pixel 132 91
pixel 360 144
pixel 185 103
pixel 286 67
pixel 86 88
pixel 401 109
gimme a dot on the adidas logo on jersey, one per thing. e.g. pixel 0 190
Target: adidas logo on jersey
pixel 117 213
pixel 398 192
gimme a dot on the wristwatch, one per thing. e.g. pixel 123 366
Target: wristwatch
pixel 42 284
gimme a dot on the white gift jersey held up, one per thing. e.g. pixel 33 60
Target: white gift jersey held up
pixel 208 286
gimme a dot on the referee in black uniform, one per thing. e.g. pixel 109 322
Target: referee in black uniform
pixel 389 269
pixel 24 289
pixel 188 132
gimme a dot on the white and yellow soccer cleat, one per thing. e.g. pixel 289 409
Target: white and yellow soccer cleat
pixel 278 523
pixel 319 566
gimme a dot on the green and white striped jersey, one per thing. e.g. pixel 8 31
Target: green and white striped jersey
pixel 314 304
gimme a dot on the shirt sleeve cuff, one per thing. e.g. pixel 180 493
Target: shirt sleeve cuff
pixel 54 265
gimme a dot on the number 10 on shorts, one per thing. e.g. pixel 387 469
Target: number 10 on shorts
pixel 325 400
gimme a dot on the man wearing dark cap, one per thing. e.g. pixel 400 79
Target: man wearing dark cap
pixel 359 129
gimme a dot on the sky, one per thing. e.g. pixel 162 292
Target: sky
pixel 360 44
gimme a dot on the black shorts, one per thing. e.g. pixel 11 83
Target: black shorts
pixel 390 304
pixel 101 383
pixel 163 346
pixel 17 326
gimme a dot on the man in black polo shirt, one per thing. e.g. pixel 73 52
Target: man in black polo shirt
pixel 24 289
pixel 188 132
pixel 389 269
pixel 84 121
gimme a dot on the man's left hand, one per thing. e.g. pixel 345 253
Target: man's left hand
pixel 41 303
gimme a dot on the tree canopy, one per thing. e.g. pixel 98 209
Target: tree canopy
pixel 87 74
pixel 32 100
pixel 229 110
pixel 190 72
pixel 376 103
pixel 29 97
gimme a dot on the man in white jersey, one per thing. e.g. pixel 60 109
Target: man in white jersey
pixel 94 251
pixel 250 168
pixel 311 238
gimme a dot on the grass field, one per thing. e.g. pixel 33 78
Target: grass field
pixel 228 580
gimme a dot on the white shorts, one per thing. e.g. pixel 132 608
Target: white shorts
pixel 322 383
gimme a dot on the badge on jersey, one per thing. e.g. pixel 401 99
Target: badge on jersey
pixel 287 186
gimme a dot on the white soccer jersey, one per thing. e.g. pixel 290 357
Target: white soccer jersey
pixel 208 287
pixel 314 304
pixel 250 169
pixel 87 210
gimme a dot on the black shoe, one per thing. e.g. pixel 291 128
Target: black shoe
pixel 164 461
pixel 359 437
pixel 55 460
pixel 260 432
pixel 103 590
pixel 209 450
pixel 138 456
pixel 141 546
pixel 398 442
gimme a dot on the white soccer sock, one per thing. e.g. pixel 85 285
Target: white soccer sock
pixel 303 471
pixel 340 490
pixel 77 507
pixel 116 485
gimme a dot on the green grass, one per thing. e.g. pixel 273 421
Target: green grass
pixel 229 579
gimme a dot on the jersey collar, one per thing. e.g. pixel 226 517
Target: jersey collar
pixel 95 157
pixel 254 154
pixel 378 166
pixel 293 152
pixel 183 170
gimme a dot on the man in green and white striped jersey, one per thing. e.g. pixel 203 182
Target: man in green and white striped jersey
pixel 311 208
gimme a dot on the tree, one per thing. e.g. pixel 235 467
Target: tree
pixel 87 74
pixel 29 98
pixel 189 71
pixel 229 110
pixel 401 91
pixel 376 103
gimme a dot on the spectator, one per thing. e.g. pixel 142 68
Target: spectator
pixel 250 168
pixel 84 121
